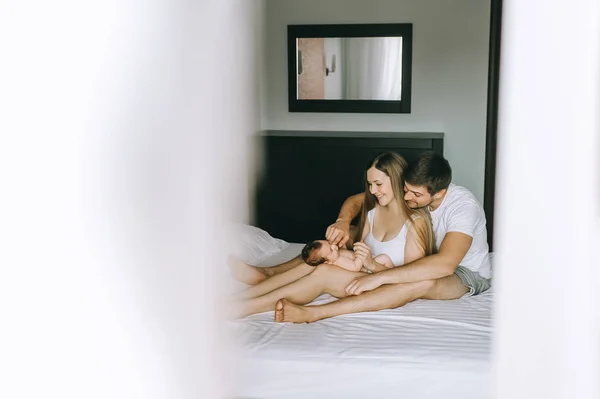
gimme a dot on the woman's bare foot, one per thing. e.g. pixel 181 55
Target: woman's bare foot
pixel 290 312
pixel 245 273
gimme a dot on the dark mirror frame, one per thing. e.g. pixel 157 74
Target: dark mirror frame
pixel 355 30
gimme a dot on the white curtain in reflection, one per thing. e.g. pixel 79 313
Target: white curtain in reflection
pixel 372 68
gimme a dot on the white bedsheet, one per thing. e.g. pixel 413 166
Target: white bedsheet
pixel 426 349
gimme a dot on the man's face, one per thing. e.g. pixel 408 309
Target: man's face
pixel 417 196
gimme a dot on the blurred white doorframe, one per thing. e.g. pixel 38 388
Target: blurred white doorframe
pixel 547 342
pixel 124 127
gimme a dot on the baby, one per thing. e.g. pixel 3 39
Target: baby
pixel 320 251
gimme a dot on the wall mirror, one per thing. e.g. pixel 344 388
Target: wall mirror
pixel 350 68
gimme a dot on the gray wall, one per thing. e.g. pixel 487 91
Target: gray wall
pixel 450 51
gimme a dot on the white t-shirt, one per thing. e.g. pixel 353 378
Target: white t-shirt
pixel 461 212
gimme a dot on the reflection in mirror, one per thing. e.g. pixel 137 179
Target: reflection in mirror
pixel 349 68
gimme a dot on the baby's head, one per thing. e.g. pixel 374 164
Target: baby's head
pixel 320 251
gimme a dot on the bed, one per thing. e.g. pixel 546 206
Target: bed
pixel 426 349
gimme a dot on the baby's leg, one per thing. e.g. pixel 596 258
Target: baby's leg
pixel 384 260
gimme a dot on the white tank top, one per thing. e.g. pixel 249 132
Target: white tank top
pixel 393 248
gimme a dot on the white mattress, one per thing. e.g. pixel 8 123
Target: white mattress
pixel 426 349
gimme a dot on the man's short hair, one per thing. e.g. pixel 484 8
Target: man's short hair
pixel 430 170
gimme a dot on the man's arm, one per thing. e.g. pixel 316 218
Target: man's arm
pixel 339 232
pixel 351 207
pixel 377 267
pixel 453 249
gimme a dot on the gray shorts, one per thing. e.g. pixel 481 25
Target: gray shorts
pixel 472 280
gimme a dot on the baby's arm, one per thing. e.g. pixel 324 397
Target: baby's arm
pixel 384 260
pixel 348 261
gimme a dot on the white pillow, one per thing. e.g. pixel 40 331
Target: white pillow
pixel 252 244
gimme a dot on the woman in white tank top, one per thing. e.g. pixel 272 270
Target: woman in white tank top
pixel 387 227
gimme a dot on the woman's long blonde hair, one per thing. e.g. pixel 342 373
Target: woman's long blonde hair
pixel 393 165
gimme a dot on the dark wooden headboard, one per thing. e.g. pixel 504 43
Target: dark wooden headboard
pixel 308 175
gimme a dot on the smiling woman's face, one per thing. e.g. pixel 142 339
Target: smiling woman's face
pixel 380 185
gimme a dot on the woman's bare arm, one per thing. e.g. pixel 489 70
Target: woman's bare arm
pixel 414 248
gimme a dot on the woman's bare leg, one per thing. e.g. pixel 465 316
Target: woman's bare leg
pixel 253 275
pixel 324 279
pixel 282 268
pixel 275 282
pixel 388 296
pixel 244 272
pixel 385 297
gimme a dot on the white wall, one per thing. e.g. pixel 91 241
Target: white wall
pixel 450 60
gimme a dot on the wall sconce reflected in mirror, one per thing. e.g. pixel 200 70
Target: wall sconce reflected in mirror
pixel 327 70
pixel 299 62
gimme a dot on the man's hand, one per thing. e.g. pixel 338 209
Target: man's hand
pixel 364 283
pixel 338 233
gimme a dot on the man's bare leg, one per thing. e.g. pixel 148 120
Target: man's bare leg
pixel 275 282
pixel 252 275
pixel 325 278
pixel 385 297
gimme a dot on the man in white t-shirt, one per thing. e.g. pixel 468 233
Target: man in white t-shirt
pixel 457 218
pixel 460 267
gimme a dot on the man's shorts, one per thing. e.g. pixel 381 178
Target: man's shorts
pixel 472 280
